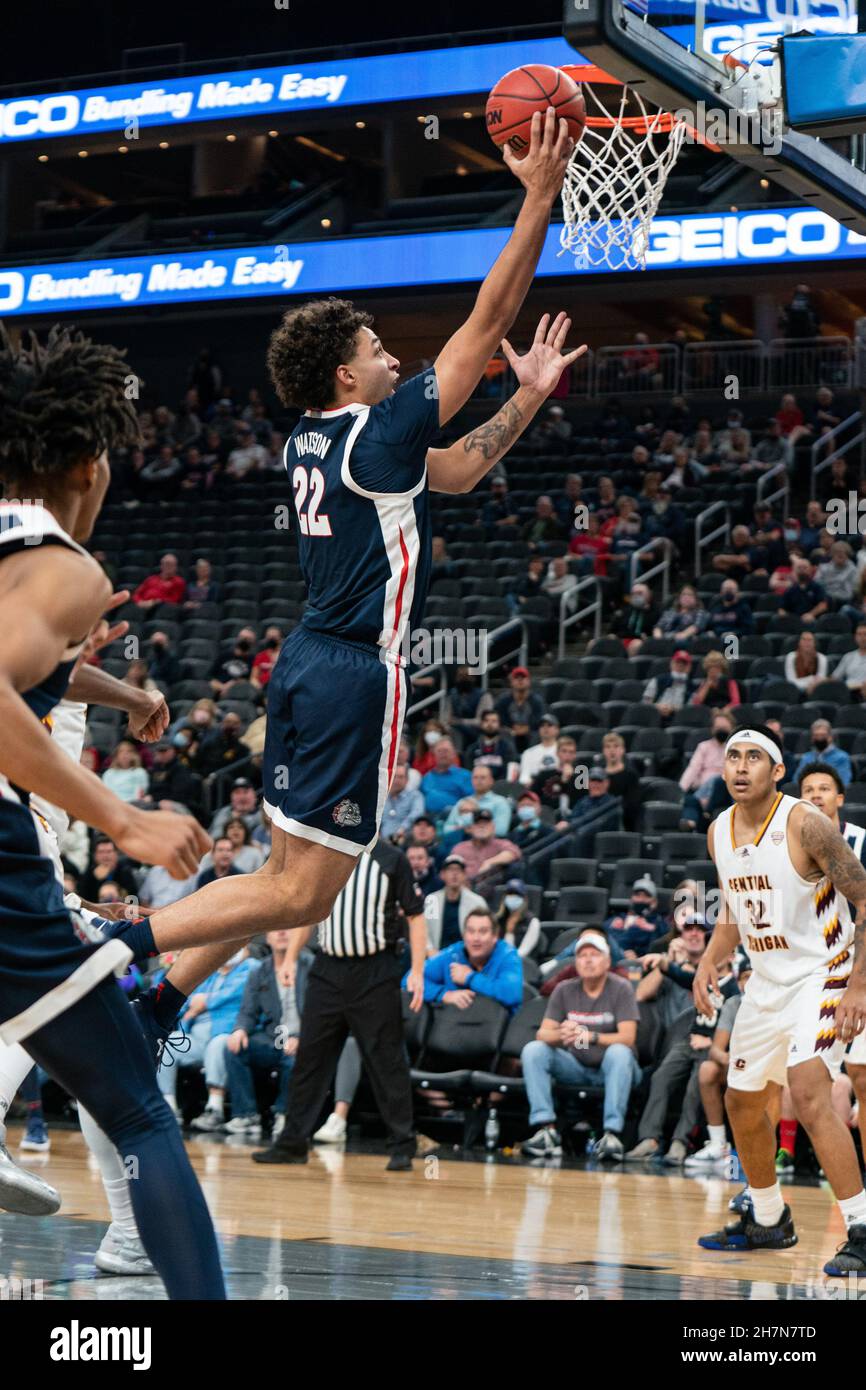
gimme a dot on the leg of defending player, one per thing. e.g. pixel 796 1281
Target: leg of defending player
pixel 810 1084
pixel 858 1081
pixel 754 1135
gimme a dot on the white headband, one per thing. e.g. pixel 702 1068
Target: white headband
pixel 592 938
pixel 761 740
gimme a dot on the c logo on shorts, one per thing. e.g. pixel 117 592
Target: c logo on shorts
pixel 739 1063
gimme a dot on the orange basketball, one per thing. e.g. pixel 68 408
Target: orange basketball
pixel 531 88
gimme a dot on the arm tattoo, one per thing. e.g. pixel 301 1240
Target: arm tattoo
pixel 823 842
pixel 498 434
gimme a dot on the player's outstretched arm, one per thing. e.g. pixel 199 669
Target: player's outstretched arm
pixel 462 465
pixel 825 846
pixel 462 360
pixel 45 601
pixel 147 709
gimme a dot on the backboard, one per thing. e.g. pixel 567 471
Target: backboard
pixel 718 60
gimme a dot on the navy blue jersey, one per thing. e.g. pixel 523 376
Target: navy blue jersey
pixel 359 478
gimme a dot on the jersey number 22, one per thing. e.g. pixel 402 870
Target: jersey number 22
pixel 311 523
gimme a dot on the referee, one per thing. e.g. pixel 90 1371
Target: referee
pixel 354 987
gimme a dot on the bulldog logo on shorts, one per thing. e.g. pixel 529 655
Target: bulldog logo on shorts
pixel 347 812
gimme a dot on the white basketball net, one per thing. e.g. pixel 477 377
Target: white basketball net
pixel 615 181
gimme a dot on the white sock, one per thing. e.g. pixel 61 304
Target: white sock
pixel 717 1134
pixel 14 1066
pixel 768 1204
pixel 215 1102
pixel 112 1172
pixel 853 1210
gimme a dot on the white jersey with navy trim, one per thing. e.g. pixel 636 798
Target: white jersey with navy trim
pixel 359 478
pixel 855 836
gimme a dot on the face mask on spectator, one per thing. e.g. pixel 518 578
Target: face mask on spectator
pixel 527 814
pixel 729 595
pixel 638 601
pixel 465 819
pixel 638 905
pixel 720 735
pixel 513 901
pixel 820 743
pixel 181 740
pixel 431 738
pixel 792 535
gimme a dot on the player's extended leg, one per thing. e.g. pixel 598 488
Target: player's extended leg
pixel 20 1190
pixel 857 1075
pixel 122 1095
pixel 811 1085
pixel 121 1250
pixel 765 1222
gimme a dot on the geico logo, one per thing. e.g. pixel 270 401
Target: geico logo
pixel 747 39
pixel 757 236
pixel 11 290
pixel 48 116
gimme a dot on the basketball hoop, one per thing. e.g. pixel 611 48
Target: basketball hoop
pixel 617 173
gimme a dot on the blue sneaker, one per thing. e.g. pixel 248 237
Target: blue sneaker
pixel 36 1139
pixel 741 1203
pixel 850 1258
pixel 163 1042
pixel 747 1234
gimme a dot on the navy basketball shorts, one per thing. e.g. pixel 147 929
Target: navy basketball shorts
pixel 335 713
pixel 41 946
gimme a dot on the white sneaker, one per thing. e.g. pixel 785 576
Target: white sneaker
pixel 711 1153
pixel 244 1124
pixel 22 1191
pixel 122 1254
pixel 333 1131
pixel 208 1120
pixel 277 1127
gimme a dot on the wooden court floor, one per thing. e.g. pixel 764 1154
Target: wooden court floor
pixel 455 1228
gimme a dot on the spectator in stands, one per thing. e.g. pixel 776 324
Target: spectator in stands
pixel 674 690
pixel 805 599
pixel 670 970
pixel 492 748
pixel 483 796
pixel 530 830
pixel 568 501
pixel 591 547
pixel 265 1034
pixel 516 923
pixel 553 431
pixel 791 421
pixel 197 476
pixel 221 747
pixel 685 619
pixel 161 476
pixel 555 787
pixel 544 526
pixel 500 510
pixel 852 668
pixel 838 577
pixel 423 870
pixel 810 532
pixel 771 450
pixel 641 922
pixel 446 910
pixel 243 805
pixel 163 666
pixel 480 963
pixel 214 455
pixel 165 587
pixel 247 456
pixel 248 854
pixel 733 425
pixel 107 867
pixel 266 658
pixel 441 566
pixel 837 483
pixel 543 754
pixel 713 1072
pixel 635 619
pixel 587 1037
pixel 731 613
pixel 125 775
pixel 597 811
pixel 558 580
pixel 606 498
pixel 647 430
pixel 666 521
pixel 205 376
pixel 824 750
pixel 805 666
pixel 735 452
pixel 682 1061
pixel 446 781
pixel 705 765
pixel 718 689
pixel 530 585
pixel 800 319
pixel 237 666
pixel 742 557
pixel 623 780
pixel 612 425
pixel 222 862
pixel 487 856
pixel 171 781
pixel 790 761
pixel 202 589
pixel 424 834
pixel 431 732
pixel 640 364
pixel 467 703
pixel 626 535
pixel 768 538
pixel 521 709
pixel 403 806
pixel 664 455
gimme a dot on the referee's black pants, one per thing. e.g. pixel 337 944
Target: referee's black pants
pixel 358 995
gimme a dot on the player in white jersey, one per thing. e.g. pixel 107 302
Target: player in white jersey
pixel 786 878
pixel 823 786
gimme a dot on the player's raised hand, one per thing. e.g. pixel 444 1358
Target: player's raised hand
pixel 706 983
pixel 540 368
pixel 176 842
pixel 542 170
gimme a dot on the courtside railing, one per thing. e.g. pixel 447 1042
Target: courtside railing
pixel 636 574
pixel 773 486
pixel 491 640
pixel 570 615
pixel 704 538
pixel 823 453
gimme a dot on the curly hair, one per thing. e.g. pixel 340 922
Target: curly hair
pixel 308 347
pixel 61 402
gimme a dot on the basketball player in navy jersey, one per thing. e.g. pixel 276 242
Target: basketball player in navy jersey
pixel 62 406
pixel 361 467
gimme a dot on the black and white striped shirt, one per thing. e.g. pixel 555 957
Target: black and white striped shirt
pixel 368 915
